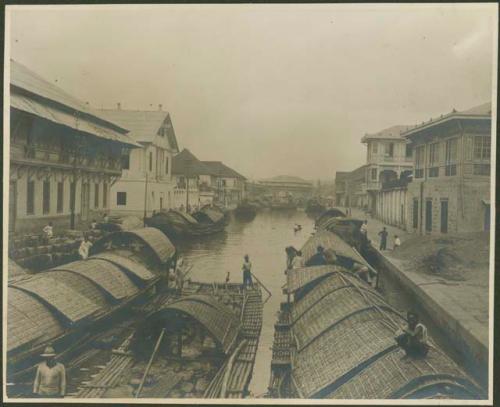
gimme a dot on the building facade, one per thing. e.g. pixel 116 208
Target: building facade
pixel 227 184
pixel 350 188
pixel 64 156
pixel 450 191
pixel 286 185
pixel 146 184
pixel 388 158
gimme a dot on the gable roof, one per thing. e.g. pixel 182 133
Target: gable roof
pixel 482 111
pixel 33 94
pixel 186 163
pixel 393 132
pixel 286 179
pixel 143 124
pixel 222 170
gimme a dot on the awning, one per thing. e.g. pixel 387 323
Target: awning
pixel 66 119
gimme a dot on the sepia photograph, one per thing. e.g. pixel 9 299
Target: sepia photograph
pixel 268 203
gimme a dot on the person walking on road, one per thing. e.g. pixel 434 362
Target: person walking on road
pixel 383 239
pixel 247 272
pixel 397 242
pixel 50 379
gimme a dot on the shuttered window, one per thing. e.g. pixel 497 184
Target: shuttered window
pixel 30 198
pixel 96 196
pixel 60 197
pixel 46 197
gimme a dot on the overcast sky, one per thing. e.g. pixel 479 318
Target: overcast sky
pixel 268 89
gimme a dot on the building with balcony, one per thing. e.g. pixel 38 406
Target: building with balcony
pixel 229 185
pixel 388 157
pixel 341 179
pixel 450 191
pixel 146 184
pixel 64 156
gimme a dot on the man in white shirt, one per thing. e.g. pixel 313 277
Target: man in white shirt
pixel 247 272
pixel 50 379
pixel 48 231
pixel 298 260
pixel 84 249
pixel 397 242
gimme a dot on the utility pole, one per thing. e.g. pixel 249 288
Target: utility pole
pixel 146 198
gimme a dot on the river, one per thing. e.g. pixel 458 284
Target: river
pixel 264 239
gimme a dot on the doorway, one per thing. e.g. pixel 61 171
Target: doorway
pixel 444 216
pixel 428 216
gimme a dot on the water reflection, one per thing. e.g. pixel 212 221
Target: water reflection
pixel 264 239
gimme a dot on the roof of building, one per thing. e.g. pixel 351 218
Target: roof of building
pixel 393 132
pixel 286 179
pixel 186 163
pixel 222 170
pixel 35 95
pixel 144 125
pixel 482 111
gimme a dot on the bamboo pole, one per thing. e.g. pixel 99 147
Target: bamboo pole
pixel 150 363
pixel 263 286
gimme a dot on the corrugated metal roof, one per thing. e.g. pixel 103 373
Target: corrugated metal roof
pixel 131 266
pixel 393 133
pixel 64 118
pixel 222 170
pixel 70 303
pixel 143 124
pixel 105 274
pixel 186 163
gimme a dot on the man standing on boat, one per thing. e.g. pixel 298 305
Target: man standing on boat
pixel 50 379
pixel 247 272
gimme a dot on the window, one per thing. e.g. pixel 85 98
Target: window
pixel 482 148
pixel 389 149
pixel 96 196
pixel 482 169
pixel 434 160
pixel 121 198
pixel 415 213
pixel 374 147
pixel 428 215
pixel 166 165
pixel 46 197
pixel 105 195
pixel 150 161
pixel 374 174
pixel 30 198
pixel 451 157
pixel 72 196
pixel 408 151
pixel 419 161
pixel 125 162
pixel 444 216
pixel 60 197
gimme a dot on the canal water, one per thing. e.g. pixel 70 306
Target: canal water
pixel 264 239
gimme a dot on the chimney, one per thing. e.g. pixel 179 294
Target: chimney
pixel 119 106
pixel 160 107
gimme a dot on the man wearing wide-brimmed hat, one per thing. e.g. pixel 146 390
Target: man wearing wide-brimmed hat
pixel 50 379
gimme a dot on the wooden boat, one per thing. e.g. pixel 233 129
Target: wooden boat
pixel 178 225
pixel 314 208
pixel 246 210
pixel 68 305
pixel 334 339
pixel 328 214
pixel 201 344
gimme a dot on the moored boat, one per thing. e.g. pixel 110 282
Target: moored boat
pixel 246 210
pixel 180 225
pixel 334 339
pixel 70 304
pixel 314 208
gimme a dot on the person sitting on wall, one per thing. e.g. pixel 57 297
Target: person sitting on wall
pixel 93 224
pixel 413 339
pixel 48 232
pixel 84 248
pixel 318 259
pixel 105 218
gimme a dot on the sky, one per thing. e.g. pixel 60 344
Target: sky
pixel 267 89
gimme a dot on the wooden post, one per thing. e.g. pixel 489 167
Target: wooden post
pixel 150 363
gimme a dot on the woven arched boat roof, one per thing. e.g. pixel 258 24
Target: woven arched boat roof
pixel 394 373
pixel 219 320
pixel 29 320
pixel 186 216
pixel 81 284
pixel 332 241
pixel 331 223
pixel 68 302
pixel 156 240
pixel 105 275
pixel 130 265
pixel 301 277
pixel 330 213
pixel 214 215
pixel 15 270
